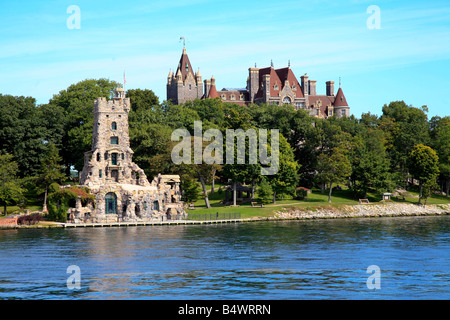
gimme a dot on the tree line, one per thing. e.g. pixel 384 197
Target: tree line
pixel 41 144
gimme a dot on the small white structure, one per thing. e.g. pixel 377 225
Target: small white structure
pixel 386 196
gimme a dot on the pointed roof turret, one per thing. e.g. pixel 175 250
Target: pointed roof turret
pixel 184 66
pixel 340 100
pixel 212 90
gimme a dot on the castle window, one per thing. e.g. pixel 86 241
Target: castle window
pixel 241 97
pixel 343 113
pixel 294 88
pixel 233 97
pixel 155 205
pixel 98 157
pixel 187 67
pixel 114 126
pixel 114 159
pixel 224 97
pixel 287 100
pixel 275 86
pixel 111 203
pixel 100 173
pixel 123 156
pixel 106 155
pixel 190 87
pixel 114 140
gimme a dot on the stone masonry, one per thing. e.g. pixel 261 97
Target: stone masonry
pixel 122 191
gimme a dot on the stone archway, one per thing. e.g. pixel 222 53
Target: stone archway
pixel 110 203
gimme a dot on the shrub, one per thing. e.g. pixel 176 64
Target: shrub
pixel 30 219
pixel 301 193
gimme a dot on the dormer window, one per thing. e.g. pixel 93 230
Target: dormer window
pixel 275 86
pixel 294 87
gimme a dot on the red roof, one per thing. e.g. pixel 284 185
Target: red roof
pixel 287 74
pixel 340 100
pixel 212 92
pixel 278 77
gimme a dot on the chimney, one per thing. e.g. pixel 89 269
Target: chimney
pixel 312 87
pixel 304 83
pixel 207 83
pixel 330 88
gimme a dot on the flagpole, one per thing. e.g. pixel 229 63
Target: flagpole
pixel 124 81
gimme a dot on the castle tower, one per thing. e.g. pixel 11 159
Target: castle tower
pixel 184 85
pixel 110 160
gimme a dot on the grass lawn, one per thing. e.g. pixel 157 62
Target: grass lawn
pixel 314 200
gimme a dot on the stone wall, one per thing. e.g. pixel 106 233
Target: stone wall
pixel 364 210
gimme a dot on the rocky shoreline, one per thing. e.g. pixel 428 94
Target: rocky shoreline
pixel 363 210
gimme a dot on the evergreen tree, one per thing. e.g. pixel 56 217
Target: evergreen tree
pixel 50 171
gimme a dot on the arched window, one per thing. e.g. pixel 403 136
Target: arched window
pixel 287 100
pixel 114 126
pixel 111 203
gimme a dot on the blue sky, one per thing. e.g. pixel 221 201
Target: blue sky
pixel 408 58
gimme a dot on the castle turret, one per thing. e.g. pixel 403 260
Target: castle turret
pixel 186 85
pixel 110 159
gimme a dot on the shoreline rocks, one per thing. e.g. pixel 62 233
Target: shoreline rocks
pixel 366 210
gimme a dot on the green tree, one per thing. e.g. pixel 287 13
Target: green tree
pixel 50 171
pixel 264 190
pixel 22 132
pixel 440 134
pixel 286 179
pixel 190 190
pixel 334 168
pixel 11 191
pixel 77 104
pixel 404 127
pixel 370 166
pixel 423 165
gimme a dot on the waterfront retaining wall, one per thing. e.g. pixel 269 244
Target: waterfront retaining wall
pixel 363 210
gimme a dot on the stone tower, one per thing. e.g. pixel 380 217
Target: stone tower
pixel 111 158
pixel 185 84
pixel 121 189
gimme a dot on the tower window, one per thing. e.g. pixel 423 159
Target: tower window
pixel 114 140
pixel 114 126
pixel 100 173
pixel 114 159
pixel 98 157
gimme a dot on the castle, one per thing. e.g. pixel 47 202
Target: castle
pixel 264 85
pixel 122 191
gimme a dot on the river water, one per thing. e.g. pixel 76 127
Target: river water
pixel 318 259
